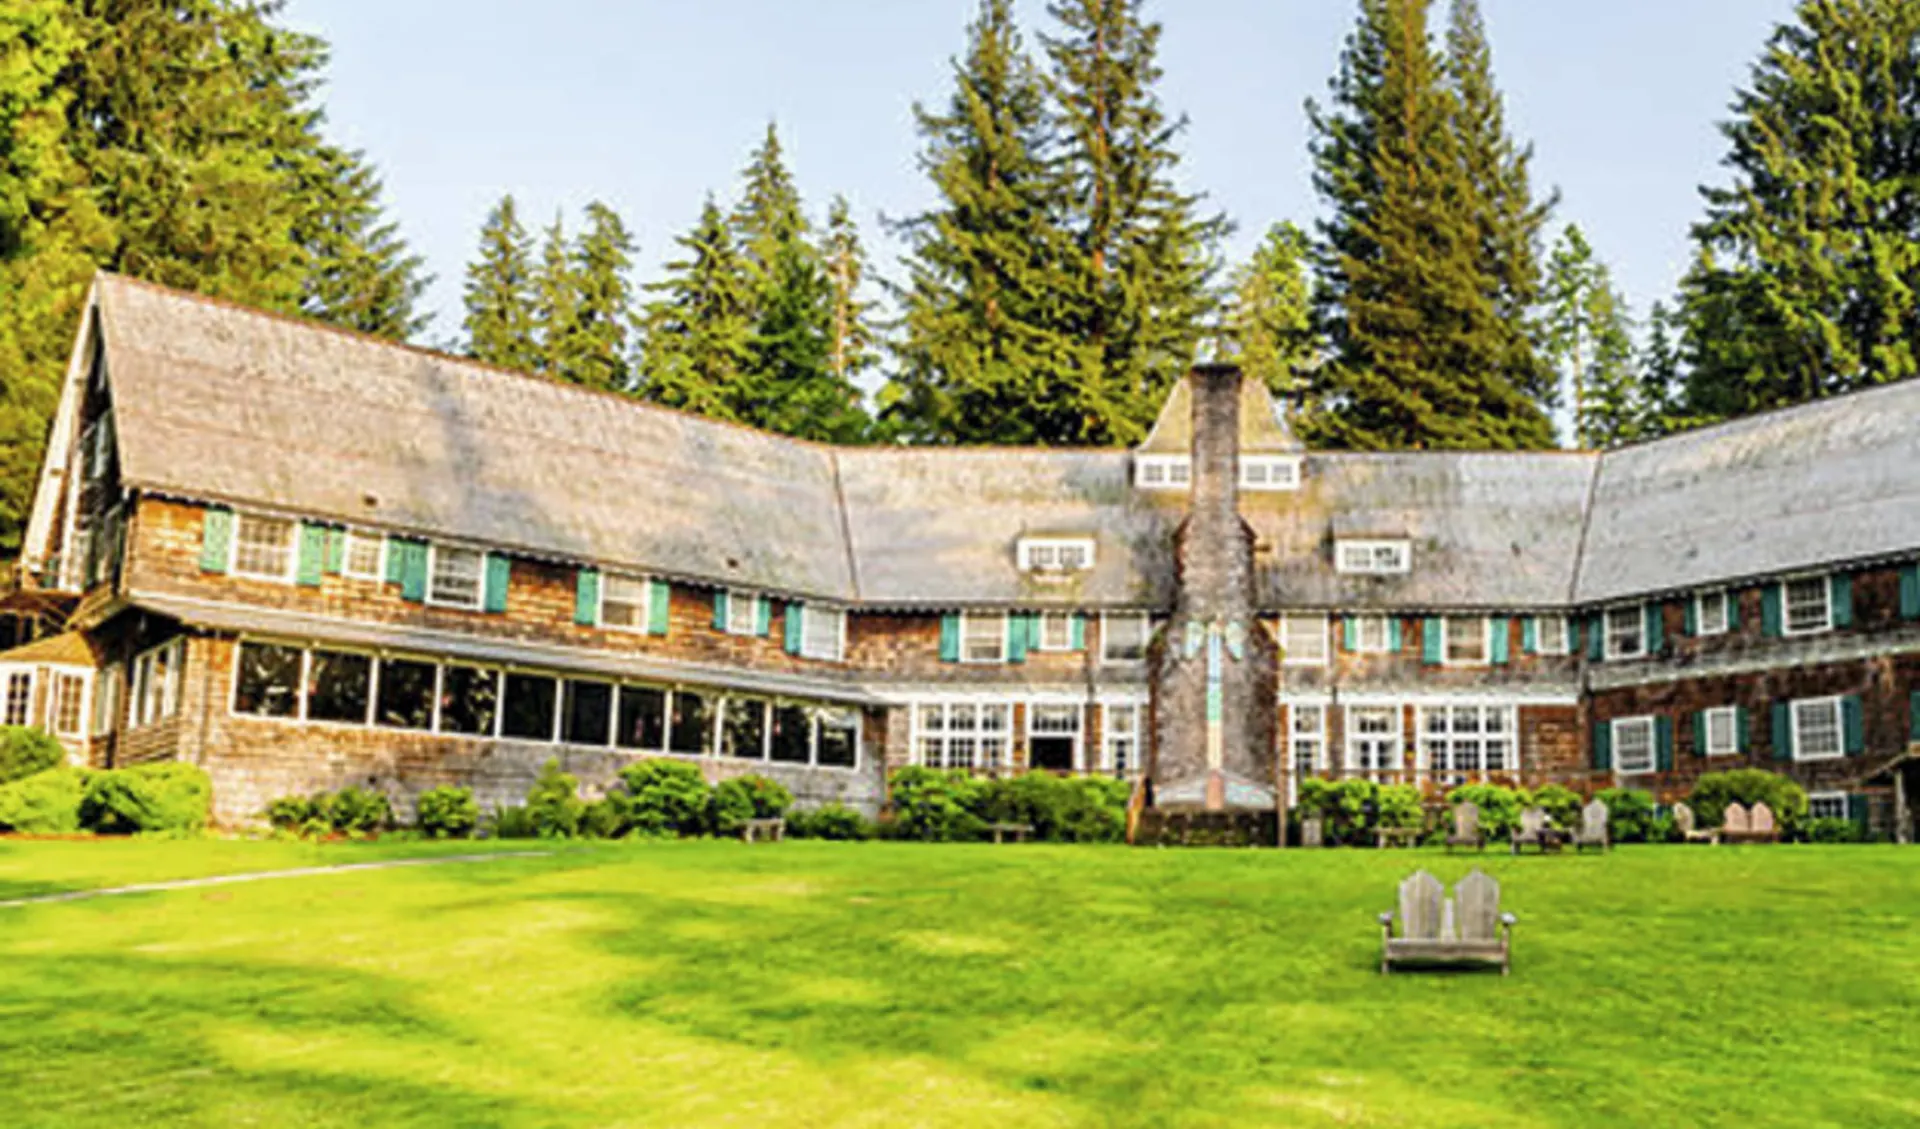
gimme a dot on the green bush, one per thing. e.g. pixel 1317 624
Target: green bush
pixel 668 796
pixel 513 821
pixel 1500 806
pixel 1060 809
pixel 1398 806
pixel 1663 829
pixel 447 812
pixel 167 796
pixel 1714 791
pixel 934 806
pixel 1833 831
pixel 1346 807
pixel 1562 804
pixel 46 803
pixel 747 797
pixel 554 805
pixel 294 813
pixel 829 821
pixel 1629 814
pixel 27 752
pixel 354 809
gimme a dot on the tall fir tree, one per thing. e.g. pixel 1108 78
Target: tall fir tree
pixel 499 294
pixel 1807 281
pixel 359 273
pixel 1418 347
pixel 1589 337
pixel 853 348
pixel 1660 365
pixel 697 333
pixel 598 353
pixel 984 353
pixel 1269 318
pixel 556 299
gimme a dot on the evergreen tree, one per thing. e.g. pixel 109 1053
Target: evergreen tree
pixel 500 293
pixel 1660 373
pixel 984 354
pixel 1269 322
pixel 597 352
pixel 1420 354
pixel 556 301
pixel 359 274
pixel 852 350
pixel 697 345
pixel 1808 278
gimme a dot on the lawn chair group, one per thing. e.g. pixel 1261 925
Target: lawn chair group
pixel 1438 931
pixel 1740 824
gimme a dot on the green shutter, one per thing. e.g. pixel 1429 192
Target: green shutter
pixel 1840 587
pixel 1603 746
pixel 1530 635
pixel 1663 743
pixel 1853 725
pixel 1500 632
pixel 1913 715
pixel 1772 614
pixel 1700 733
pixel 792 623
pixel 1433 641
pixel 1857 812
pixel 1733 610
pixel 1654 615
pixel 1597 636
pixel 762 616
pixel 216 539
pixel 659 606
pixel 1742 729
pixel 950 638
pixel 413 577
pixel 1350 625
pixel 312 560
pixel 1394 639
pixel 397 559
pixel 1910 592
pixel 1573 635
pixel 1782 731
pixel 720 598
pixel 1690 617
pixel 336 550
pixel 1017 638
pixel 1078 627
pixel 586 597
pixel 499 573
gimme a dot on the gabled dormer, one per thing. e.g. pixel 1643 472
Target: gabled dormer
pixel 1271 458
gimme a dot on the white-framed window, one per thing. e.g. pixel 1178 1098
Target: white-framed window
pixel 1303 640
pixel 68 709
pixel 19 702
pixel 1633 746
pixel 1550 635
pixel 106 701
pixel 1055 554
pixel 983 637
pixel 1710 612
pixel 1054 729
pixel 823 632
pixel 1626 632
pixel 1162 472
pixel 1809 605
pixel 1817 732
pixel 1056 632
pixel 1120 738
pixel 1827 805
pixel 1123 637
pixel 366 556
pixel 1722 724
pixel 263 547
pixel 1371 635
pixel 454 576
pixel 156 683
pixel 1463 740
pixel 1306 742
pixel 1373 557
pixel 1269 472
pixel 1373 739
pixel 743 612
pixel 966 735
pixel 623 602
pixel 1469 639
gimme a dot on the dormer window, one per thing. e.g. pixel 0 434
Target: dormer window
pixel 1162 472
pixel 1373 558
pixel 1269 472
pixel 1056 555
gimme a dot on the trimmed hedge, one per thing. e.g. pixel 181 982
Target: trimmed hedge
pixel 27 752
pixel 46 803
pixel 830 821
pixel 167 796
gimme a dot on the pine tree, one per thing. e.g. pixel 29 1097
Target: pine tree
pixel 1589 338
pixel 1269 318
pixel 852 350
pixel 359 274
pixel 697 338
pixel 1808 277
pixel 556 301
pixel 1418 348
pixel 1141 287
pixel 1660 373
pixel 598 352
pixel 500 293
pixel 984 353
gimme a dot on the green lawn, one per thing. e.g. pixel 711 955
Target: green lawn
pixel 704 984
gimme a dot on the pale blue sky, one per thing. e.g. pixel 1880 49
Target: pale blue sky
pixel 651 104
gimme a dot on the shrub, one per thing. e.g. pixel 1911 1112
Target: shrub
pixel 1500 806
pixel 294 813
pixel 1399 806
pixel 1663 829
pixel 1060 809
pixel 354 809
pixel 1715 790
pixel 46 803
pixel 669 796
pixel 1561 803
pixel 513 821
pixel 554 804
pixel 1348 807
pixel 27 752
pixel 1629 814
pixel 747 797
pixel 1833 831
pixel 934 806
pixel 168 796
pixel 829 821
pixel 447 812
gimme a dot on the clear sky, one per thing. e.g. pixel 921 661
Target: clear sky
pixel 652 104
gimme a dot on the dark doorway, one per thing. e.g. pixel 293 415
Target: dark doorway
pixel 1050 754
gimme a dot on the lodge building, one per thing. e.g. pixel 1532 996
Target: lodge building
pixel 304 558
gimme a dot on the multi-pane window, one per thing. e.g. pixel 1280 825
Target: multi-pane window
pixel 454 576
pixel 1056 631
pixel 469 700
pixel 1307 739
pixel 156 683
pixel 743 729
pixel 338 686
pixel 587 717
pixel 263 547
pixel 983 637
pixel 1056 554
pixel 823 632
pixel 1722 731
pixel 1710 613
pixel 366 557
pixel 1626 632
pixel 836 737
pixel 530 709
pixel 1460 740
pixel 1817 729
pixel 1120 738
pixel 1809 607
pixel 406 694
pixel 266 680
pixel 69 704
pixel 690 723
pixel 743 613
pixel 1269 472
pixel 623 602
pixel 1827 805
pixel 1467 638
pixel 19 696
pixel 1633 745
pixel 1376 558
pixel 965 735
pixel 1162 472
pixel 1550 636
pixel 1373 739
pixel 106 701
pixel 1371 635
pixel 1123 637
pixel 1303 640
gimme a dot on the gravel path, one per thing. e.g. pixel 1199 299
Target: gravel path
pixel 260 876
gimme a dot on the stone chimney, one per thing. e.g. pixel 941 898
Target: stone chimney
pixel 1214 669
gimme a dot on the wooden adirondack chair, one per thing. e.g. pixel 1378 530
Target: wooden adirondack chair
pixel 1468 929
pixel 1735 824
pixel 1688 825
pixel 1313 832
pixel 1593 828
pixel 1466 828
pixel 1756 826
pixel 1532 831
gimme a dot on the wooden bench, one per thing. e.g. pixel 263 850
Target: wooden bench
pixel 1384 837
pixel 1017 831
pixel 1437 931
pixel 763 830
pixel 1744 825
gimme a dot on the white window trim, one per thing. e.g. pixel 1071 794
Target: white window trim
pixel 479 580
pixel 1726 610
pixel 807 612
pixel 1317 735
pixel 1162 468
pixel 1814 798
pixel 1283 473
pixel 736 597
pixel 7 674
pixel 1508 734
pixel 169 690
pixel 1613 651
pixel 1361 646
pixel 1800 705
pixel 1372 546
pixel 83 720
pixel 1079 733
pixel 379 572
pixel 1354 738
pixel 1027 545
pixel 1006 630
pixel 916 732
pixel 1826 604
pixel 286 575
pixel 1446 642
pixel 1109 734
pixel 600 602
pixel 1066 620
pixel 1732 714
pixel 1653 745
pixel 1146 637
pixel 1539 640
pixel 1326 644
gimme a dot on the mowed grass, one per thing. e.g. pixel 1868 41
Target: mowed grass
pixel 804 984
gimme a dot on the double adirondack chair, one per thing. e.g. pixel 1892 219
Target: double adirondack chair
pixel 1437 931
pixel 1593 828
pixel 1466 828
pixel 1749 825
pixel 1688 825
pixel 1534 832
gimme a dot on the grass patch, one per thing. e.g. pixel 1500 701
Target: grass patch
pixel 707 983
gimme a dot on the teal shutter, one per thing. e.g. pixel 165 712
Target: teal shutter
pixel 1573 635
pixel 720 610
pixel 792 623
pixel 1654 615
pixel 1742 728
pixel 1351 626
pixel 1910 592
pixel 1853 725
pixel 1840 588
pixel 1700 733
pixel 499 573
pixel 397 559
pixel 1500 630
pixel 1857 812
pixel 1077 627
pixel 1394 639
pixel 950 638
pixel 216 540
pixel 1782 731
pixel 1913 715
pixel 1597 636
pixel 336 551
pixel 659 605
pixel 1603 746
pixel 1733 610
pixel 413 575
pixel 1530 635
pixel 312 542
pixel 586 597
pixel 1433 641
pixel 1690 620
pixel 1772 612
pixel 1017 638
pixel 1663 743
pixel 762 616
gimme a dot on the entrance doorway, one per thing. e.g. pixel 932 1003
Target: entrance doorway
pixel 1053 737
